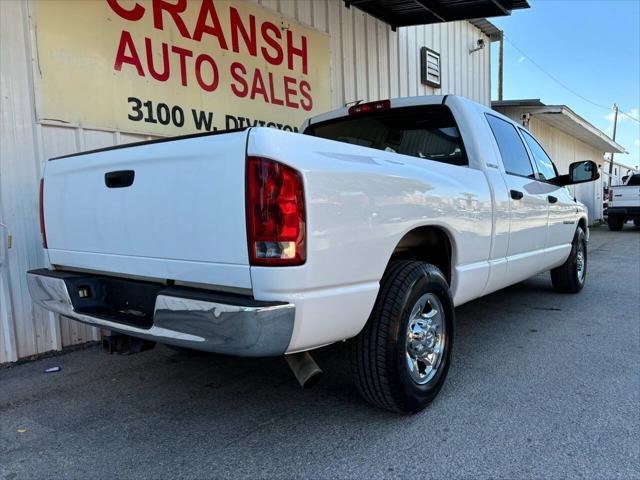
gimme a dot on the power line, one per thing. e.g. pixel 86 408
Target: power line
pixel 564 85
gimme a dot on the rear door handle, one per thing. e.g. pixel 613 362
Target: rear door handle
pixel 516 194
pixel 552 199
pixel 119 179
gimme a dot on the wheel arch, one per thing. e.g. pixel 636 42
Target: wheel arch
pixel 582 223
pixel 427 243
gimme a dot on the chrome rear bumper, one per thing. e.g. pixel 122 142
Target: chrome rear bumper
pixel 184 317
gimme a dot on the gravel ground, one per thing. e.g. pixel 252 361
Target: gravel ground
pixel 541 385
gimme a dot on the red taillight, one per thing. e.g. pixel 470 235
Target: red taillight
pixel 43 232
pixel 370 107
pixel 275 213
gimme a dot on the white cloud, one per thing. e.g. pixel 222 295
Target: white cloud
pixel 623 118
pixel 636 142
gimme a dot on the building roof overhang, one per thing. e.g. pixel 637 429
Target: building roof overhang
pixel 565 120
pixel 404 13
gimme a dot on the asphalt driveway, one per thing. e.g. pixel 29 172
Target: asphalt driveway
pixel 541 385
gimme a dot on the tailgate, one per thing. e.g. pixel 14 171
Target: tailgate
pixel 626 196
pixel 182 217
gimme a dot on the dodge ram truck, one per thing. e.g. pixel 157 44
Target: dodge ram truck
pixel 368 227
pixel 624 203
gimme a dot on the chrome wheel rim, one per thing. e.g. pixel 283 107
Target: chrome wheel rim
pixel 580 262
pixel 425 338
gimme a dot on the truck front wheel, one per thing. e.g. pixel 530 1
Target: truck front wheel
pixel 572 274
pixel 400 359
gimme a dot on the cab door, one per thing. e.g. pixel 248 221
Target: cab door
pixel 528 204
pixel 562 206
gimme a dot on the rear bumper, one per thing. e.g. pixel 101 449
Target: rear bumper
pixel 191 318
pixel 628 211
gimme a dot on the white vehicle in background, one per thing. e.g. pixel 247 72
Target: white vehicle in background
pixel 624 203
pixel 370 227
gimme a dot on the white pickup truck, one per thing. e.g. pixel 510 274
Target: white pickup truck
pixel 371 226
pixel 624 203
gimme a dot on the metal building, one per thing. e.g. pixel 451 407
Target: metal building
pixel 370 52
pixel 567 138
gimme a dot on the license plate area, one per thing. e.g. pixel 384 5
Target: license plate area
pixel 130 302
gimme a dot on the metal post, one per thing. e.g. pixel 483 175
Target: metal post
pixel 500 65
pixel 615 124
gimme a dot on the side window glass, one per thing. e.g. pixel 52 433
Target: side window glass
pixel 546 170
pixel 514 156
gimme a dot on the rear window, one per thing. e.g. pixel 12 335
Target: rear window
pixel 634 181
pixel 428 132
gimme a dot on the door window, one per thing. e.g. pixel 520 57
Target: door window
pixel 546 169
pixel 514 156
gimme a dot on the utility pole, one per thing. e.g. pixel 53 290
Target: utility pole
pixel 615 124
pixel 500 65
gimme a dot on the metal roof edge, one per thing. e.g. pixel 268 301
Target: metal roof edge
pixel 488 28
pixel 564 110
pixel 538 109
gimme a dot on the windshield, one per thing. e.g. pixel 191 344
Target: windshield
pixel 428 132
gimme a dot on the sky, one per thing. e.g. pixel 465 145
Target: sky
pixel 590 46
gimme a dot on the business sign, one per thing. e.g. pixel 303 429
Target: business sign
pixel 176 66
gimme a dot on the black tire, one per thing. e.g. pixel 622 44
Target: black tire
pixel 615 223
pixel 379 353
pixel 566 277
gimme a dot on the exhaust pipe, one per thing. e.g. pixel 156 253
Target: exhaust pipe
pixel 305 369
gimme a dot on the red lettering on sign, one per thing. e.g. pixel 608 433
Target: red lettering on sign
pixel 275 100
pixel 236 69
pixel 238 27
pixel 132 58
pixel 208 10
pixel 305 90
pixel 257 87
pixel 174 10
pixel 263 40
pixel 133 15
pixel 208 87
pixel 166 70
pixel 301 52
pixel 277 57
pixel 290 91
pixel 183 53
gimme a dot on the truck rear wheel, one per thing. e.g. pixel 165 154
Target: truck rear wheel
pixel 400 359
pixel 615 223
pixel 570 277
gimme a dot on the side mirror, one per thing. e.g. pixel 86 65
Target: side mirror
pixel 586 171
pixel 579 172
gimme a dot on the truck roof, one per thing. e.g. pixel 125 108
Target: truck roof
pixel 400 103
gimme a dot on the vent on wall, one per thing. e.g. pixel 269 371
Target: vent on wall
pixel 430 67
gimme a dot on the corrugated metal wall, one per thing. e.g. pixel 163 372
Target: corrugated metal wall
pixel 369 62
